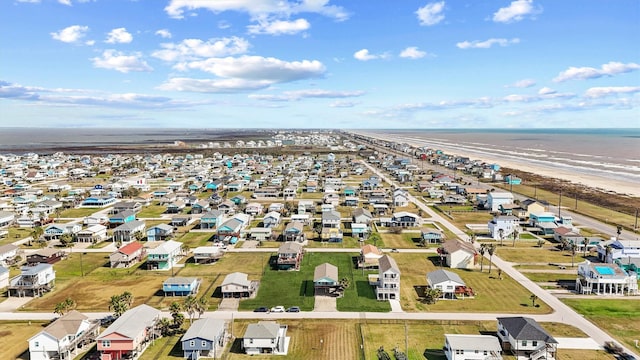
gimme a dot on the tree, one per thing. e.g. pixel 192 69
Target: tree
pixel 607 252
pixel 585 242
pixel 119 304
pixel 375 237
pixel 201 306
pixel 618 231
pixel 501 235
pixel 66 240
pixel 190 306
pixel 516 235
pixel 573 247
pixel 65 306
pixel 472 236
pixel 533 298
pixel 491 250
pixel 36 233
pixel 165 326
pixel 178 318
pixel 540 243
pixel 482 250
pixel 432 295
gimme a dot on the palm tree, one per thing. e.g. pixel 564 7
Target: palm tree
pixel 127 298
pixel 375 237
pixel 482 250
pixel 607 251
pixel 174 310
pixel 491 250
pixel 618 231
pixel 585 242
pixel 201 306
pixel 116 305
pixel 516 235
pixel 165 326
pixel 190 304
pixel 501 235
pixel 64 306
pixel 573 247
pixel 533 298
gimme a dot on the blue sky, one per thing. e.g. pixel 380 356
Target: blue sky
pixel 319 63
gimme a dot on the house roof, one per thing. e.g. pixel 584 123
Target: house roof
pixel 440 276
pixel 289 247
pixel 371 249
pixel 32 270
pixel 130 226
pixel 457 245
pixel 262 330
pixel 325 270
pixel 206 250
pixel 361 211
pixel 473 342
pixel 130 248
pixel 165 227
pixel 212 214
pixel 179 280
pixel 46 252
pixel 123 214
pixel 524 328
pixel 132 322
pixel 387 263
pixel 207 328
pixel 65 325
pixel 294 225
pixel 167 247
pixel 331 215
pixel 236 278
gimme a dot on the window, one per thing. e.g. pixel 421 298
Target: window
pixel 192 343
pixel 459 352
pixel 486 353
pixel 106 343
pixel 534 343
pixel 36 344
pixel 273 341
pixel 204 343
pixel 524 342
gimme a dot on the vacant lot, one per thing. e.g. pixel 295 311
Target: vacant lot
pixel 619 317
pixel 195 239
pixel 492 294
pixel 461 219
pixel 14 336
pixel 79 212
pixel 536 255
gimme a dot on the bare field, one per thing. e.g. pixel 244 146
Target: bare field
pixel 14 335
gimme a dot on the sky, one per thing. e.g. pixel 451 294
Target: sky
pixel 320 64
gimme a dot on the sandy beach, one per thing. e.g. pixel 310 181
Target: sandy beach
pixel 597 182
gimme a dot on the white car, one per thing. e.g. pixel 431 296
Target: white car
pixel 277 309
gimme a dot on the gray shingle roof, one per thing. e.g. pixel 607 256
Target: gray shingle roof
pixel 207 328
pixel 386 263
pixel 236 278
pixel 66 325
pixel 439 276
pixel 132 322
pixel 524 328
pixel 262 330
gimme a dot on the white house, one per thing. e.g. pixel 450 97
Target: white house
pixel 266 337
pixel 165 256
pixel 388 287
pixel 6 218
pixel 460 254
pixel 446 281
pixel 93 234
pixel 8 253
pixel 472 347
pixel 605 279
pixel 526 339
pixel 33 280
pixel 507 223
pixel 619 249
pixel 54 231
pixel 63 338
pixel 497 198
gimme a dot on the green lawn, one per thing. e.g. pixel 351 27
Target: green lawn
pixel 78 213
pixel 152 211
pixel 619 317
pixel 195 239
pixel 14 235
pixel 535 254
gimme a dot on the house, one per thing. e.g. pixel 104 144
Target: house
pixel 229 231
pixel 211 219
pixel 570 235
pixel 400 198
pixel 405 219
pixel 45 256
pixel 325 279
pixel 294 232
pixel 388 287
pixel 159 232
pixel 175 207
pixel 331 219
pixel 165 256
pixel 32 281
pixel 431 235
pixel 127 255
pixel 305 206
pixel 369 256
pixel 200 207
pixel 64 337
pixel 526 339
pixel 271 219
pixel 503 226
pixel 96 219
pixel 204 338
pixel 265 337
pixel 446 281
pixel 260 233
pixel 460 254
pixel 545 221
pixel 8 254
pixel 120 206
pixel 619 250
pixel 532 206
pixel 4 277
pixel 472 347
pixel 605 279
pixel 331 234
pixel 130 231
pixel 362 216
pixel 237 285
pixel 254 208
pixel 122 217
pixel 100 202
pixel 6 218
pixel 227 207
pixel 511 179
pixel 207 254
pixel 181 286
pixel 55 231
pixel 92 234
pixel 130 334
pixel 497 198
pixel 359 231
pixel 289 256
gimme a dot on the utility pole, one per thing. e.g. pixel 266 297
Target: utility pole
pixel 576 201
pixel 636 224
pixel 559 202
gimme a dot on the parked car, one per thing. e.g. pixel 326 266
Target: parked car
pixel 394 250
pixel 293 309
pixel 612 348
pixel 627 356
pixel 261 309
pixel 277 309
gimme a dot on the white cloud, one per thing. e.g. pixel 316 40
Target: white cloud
pixel 584 73
pixel 516 11
pixel 304 94
pixel 119 36
pixel 431 13
pixel 477 44
pixel 164 33
pixel 343 104
pixel 524 83
pixel 65 2
pixel 364 55
pixel 260 68
pixel 116 60
pixel 412 52
pixel 279 27
pixel 192 49
pixel 281 8
pixel 71 34
pixel 597 92
pixel 546 91
pixel 213 85
pixel 30 1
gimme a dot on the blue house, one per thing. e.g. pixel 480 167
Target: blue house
pixel 159 232
pixel 122 217
pixel 180 286
pixel 205 337
pixel 512 180
pixel 214 185
pixel 98 201
pixel 211 219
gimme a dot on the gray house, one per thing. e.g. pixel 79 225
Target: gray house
pixel 205 338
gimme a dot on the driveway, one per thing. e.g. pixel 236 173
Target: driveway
pixel 229 304
pixel 325 303
pixel 13 303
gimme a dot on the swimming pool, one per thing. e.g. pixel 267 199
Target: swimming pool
pixel 604 270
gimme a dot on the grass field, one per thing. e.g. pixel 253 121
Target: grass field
pixel 492 294
pixel 619 317
pixel 549 277
pixel 151 211
pixel 14 336
pixel 536 255
pixel 461 219
pixel 78 213
pixel 195 239
pixel 15 234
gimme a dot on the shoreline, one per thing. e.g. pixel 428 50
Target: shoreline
pixel 592 181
